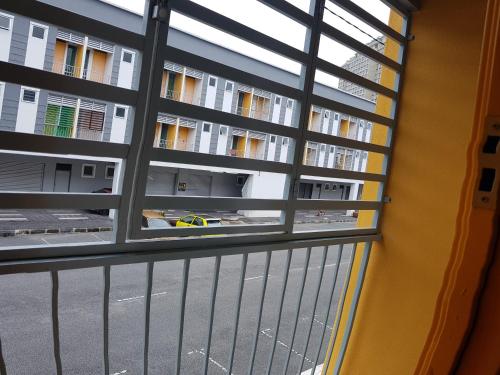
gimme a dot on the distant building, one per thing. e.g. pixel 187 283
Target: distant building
pixel 365 67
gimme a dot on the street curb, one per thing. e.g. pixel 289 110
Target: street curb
pixel 17 232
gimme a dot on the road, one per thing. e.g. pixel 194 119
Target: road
pixel 26 330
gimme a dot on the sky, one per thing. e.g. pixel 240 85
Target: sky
pixel 264 19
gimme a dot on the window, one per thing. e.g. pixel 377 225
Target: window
pixel 327 186
pixel 362 124
pixel 187 219
pixel 273 139
pixel 332 149
pixel 229 86
pixel 38 32
pixel 277 100
pixel 109 172
pixel 223 130
pixel 289 103
pixel 127 57
pixel 322 148
pixel 284 142
pixel 120 112
pixel 327 114
pixel 336 117
pixel 88 170
pixel 90 120
pixel 4 22
pixel 29 96
pixel 198 222
pixel 206 127
pixel 212 81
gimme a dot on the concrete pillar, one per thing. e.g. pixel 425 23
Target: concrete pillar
pixel 84 54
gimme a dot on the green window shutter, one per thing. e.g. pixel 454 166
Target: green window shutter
pixel 66 122
pixel 51 119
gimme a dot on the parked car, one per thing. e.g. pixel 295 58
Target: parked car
pixel 101 211
pixel 194 220
pixel 154 223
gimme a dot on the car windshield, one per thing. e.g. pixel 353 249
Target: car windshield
pixel 157 223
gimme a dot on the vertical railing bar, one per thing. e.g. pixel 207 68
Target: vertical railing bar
pixel 185 277
pixel 55 320
pixel 318 288
pixel 105 319
pixel 354 306
pixel 299 303
pixel 213 296
pixel 147 314
pixel 340 308
pixel 332 291
pixel 3 369
pixel 282 297
pixel 241 285
pixel 259 319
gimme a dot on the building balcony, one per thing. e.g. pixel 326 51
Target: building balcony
pixel 181 145
pixel 237 153
pixel 79 72
pixel 253 113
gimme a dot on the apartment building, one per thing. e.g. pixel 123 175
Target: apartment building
pixel 365 67
pixel 29 110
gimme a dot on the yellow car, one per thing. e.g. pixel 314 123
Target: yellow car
pixel 198 221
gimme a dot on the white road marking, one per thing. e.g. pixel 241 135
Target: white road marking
pixel 67 214
pixel 317 371
pixel 73 218
pixel 254 278
pixel 265 332
pixel 139 297
pixel 211 360
pixel 11 214
pixel 315 320
pixel 119 373
pixel 13 219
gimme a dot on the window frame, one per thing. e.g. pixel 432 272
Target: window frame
pixel 93 166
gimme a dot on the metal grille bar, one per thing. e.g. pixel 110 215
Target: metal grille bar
pixel 213 296
pixel 185 278
pixel 55 321
pixel 147 314
pixel 280 310
pixel 105 318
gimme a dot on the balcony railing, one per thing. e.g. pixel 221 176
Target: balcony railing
pixel 89 134
pixel 181 145
pixel 237 153
pixel 79 72
pixel 58 131
pixel 186 98
pixel 253 113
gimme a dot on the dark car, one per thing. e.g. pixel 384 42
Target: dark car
pixel 101 211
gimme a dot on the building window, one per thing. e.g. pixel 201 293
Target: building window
pixel 88 171
pixel 127 57
pixel 336 117
pixel 29 96
pixel 38 32
pixel 332 149
pixel 327 114
pixel 327 186
pixel 273 139
pixel 206 127
pixel 223 130
pixel 212 81
pixel 229 86
pixel 109 172
pixel 4 22
pixel 120 112
pixel 289 103
pixel 284 142
pixel 277 100
pixel 322 147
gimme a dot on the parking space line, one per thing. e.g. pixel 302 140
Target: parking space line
pixel 211 360
pixel 139 297
pixel 266 333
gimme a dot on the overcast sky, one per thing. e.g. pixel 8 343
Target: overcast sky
pixel 264 19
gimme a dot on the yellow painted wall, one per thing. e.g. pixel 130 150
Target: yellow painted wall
pixel 247 102
pixel 157 133
pixel 59 53
pixel 182 137
pixel 79 60
pixel 241 145
pixel 177 85
pixel 407 268
pixel 344 128
pixel 98 66
pixel 189 89
pixel 254 144
pixel 164 82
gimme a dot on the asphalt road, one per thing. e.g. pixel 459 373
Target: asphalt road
pixel 26 329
